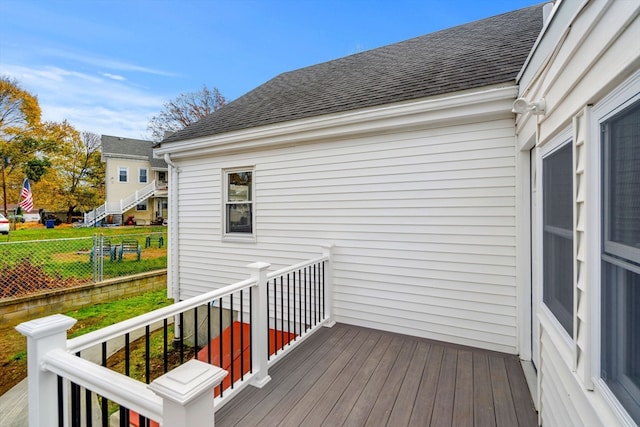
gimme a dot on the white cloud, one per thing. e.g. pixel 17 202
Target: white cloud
pixel 103 103
pixel 101 62
pixel 113 76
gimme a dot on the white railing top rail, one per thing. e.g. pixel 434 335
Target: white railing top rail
pixel 116 387
pixel 295 267
pixel 107 333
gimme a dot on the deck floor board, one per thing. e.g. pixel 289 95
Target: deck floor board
pixel 349 375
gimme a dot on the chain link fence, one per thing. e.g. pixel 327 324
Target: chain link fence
pixel 32 266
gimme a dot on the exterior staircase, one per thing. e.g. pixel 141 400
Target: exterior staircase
pixel 118 208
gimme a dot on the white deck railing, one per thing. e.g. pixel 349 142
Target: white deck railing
pixel 51 355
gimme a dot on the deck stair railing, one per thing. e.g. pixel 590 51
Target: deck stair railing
pixel 118 208
pixel 141 371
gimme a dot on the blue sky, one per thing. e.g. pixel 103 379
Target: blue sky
pixel 108 66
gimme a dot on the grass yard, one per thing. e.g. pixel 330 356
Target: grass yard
pixel 36 231
pixel 36 258
pixel 13 354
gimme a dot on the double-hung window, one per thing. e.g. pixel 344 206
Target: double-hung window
pixel 123 174
pixel 557 234
pixel 239 203
pixel 620 287
pixel 143 175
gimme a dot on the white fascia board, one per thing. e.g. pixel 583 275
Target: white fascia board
pixel 460 107
pixel 124 156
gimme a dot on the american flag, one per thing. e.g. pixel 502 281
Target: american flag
pixel 26 202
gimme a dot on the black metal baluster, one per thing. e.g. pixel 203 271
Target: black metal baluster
pixel 288 308
pixel 60 403
pixel 127 354
pixel 181 330
pixel 165 345
pixel 251 329
pixel 87 408
pixel 195 331
pixel 105 401
pixel 231 338
pixel 76 415
pixel 294 304
pixel 268 324
pixel 307 308
pixel 315 296
pixel 241 335
pixel 124 412
pixel 221 346
pixel 281 312
pixel 209 332
pixel 147 355
pixel 300 309
pixel 124 417
pixel 322 291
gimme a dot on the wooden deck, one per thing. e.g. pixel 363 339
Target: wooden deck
pixel 354 376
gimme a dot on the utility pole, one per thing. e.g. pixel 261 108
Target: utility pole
pixel 5 161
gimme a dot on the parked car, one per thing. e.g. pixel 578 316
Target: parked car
pixel 4 225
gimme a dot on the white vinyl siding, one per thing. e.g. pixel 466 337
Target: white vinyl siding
pixel 422 221
pixel 594 53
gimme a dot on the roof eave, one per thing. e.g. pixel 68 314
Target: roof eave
pixel 482 102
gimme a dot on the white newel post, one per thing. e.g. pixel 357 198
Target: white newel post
pixel 187 394
pixel 260 324
pixel 327 251
pixel 43 335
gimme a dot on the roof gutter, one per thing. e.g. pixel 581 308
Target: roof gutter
pixel 173 290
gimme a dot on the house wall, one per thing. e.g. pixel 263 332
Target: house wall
pixel 590 49
pixel 423 223
pixel 119 190
pixel 115 190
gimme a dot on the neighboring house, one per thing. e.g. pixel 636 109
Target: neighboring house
pixel 452 217
pixel 135 182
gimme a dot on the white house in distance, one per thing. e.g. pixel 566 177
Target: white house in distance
pixel 457 213
pixel 136 183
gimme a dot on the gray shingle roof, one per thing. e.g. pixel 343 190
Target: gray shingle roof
pixel 115 146
pixel 485 52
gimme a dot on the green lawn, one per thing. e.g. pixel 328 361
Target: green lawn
pixel 65 232
pixel 61 257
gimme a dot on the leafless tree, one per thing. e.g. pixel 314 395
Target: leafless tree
pixel 185 109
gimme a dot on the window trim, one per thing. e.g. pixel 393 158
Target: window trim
pixel 124 169
pixel 616 101
pixel 146 204
pixel 556 143
pixel 231 236
pixel 140 175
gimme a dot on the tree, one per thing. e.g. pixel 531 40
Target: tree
pixel 20 130
pixel 184 110
pixel 75 180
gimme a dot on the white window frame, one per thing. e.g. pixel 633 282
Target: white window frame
pixel 124 169
pixel 619 99
pixel 144 203
pixel 558 142
pixel 238 236
pixel 146 181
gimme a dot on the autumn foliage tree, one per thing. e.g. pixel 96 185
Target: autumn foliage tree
pixel 62 164
pixel 185 109
pixel 75 180
pixel 21 135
